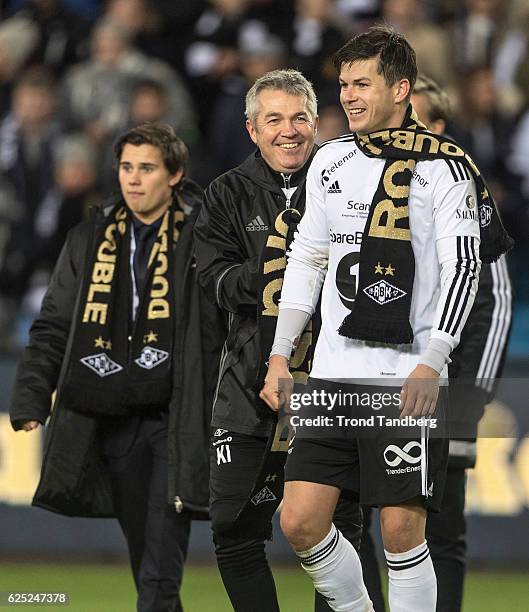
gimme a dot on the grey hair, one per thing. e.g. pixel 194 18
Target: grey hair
pixel 438 101
pixel 290 81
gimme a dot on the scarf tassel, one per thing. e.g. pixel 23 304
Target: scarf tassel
pixel 375 330
pixel 492 251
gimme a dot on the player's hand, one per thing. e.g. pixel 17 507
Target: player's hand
pixel 419 393
pixel 30 425
pixel 279 384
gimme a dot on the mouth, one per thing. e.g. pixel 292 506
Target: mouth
pixel 134 194
pixel 289 145
pixel 355 112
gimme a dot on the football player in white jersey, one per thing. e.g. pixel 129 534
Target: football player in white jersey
pixel 402 476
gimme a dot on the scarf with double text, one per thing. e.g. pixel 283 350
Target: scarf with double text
pixel 119 363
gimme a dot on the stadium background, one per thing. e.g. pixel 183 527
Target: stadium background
pixel 95 68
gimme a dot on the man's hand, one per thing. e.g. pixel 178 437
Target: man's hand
pixel 418 396
pixel 278 384
pixel 30 425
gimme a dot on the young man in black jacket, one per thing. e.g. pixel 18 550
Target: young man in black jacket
pixel 243 209
pixel 126 339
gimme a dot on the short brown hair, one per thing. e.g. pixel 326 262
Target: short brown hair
pixel 174 152
pixel 396 57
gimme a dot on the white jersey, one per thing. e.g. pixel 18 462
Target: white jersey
pixel 341 184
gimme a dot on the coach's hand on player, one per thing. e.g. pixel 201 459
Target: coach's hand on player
pixel 419 393
pixel 279 384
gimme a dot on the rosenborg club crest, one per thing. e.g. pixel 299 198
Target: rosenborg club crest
pixel 383 292
pixel 151 357
pixel 101 364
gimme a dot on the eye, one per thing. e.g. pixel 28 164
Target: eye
pixel 273 121
pixel 362 85
pixel 301 119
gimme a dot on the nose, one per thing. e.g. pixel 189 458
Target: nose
pixel 288 129
pixel 348 94
pixel 134 177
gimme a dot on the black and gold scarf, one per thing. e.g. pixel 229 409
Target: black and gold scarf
pixel 272 267
pixel 386 245
pixel 118 363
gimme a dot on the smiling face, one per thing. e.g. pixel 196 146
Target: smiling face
pixel 283 130
pixel 146 183
pixel 370 104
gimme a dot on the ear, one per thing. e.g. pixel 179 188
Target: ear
pixel 176 178
pixel 251 130
pixel 316 124
pixel 402 90
pixel 438 126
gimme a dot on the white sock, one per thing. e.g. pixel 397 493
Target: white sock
pixel 335 569
pixel 412 581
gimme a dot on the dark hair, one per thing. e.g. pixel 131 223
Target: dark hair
pixel 150 84
pixel 174 152
pixel 396 57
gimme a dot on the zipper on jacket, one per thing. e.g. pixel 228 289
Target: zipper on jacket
pixel 286 181
pixel 178 504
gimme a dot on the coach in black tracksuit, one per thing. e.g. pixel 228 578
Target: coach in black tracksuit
pixel 129 342
pixel 240 209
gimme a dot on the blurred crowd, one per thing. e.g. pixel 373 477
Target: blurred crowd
pixel 76 73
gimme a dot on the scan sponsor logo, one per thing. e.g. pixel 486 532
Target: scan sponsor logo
pixel 357 209
pixel 383 292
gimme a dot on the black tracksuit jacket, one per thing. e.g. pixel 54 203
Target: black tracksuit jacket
pixel 239 208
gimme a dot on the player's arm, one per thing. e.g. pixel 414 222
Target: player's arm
pixel 457 245
pixel 481 351
pixel 38 370
pixel 230 279
pixel 304 276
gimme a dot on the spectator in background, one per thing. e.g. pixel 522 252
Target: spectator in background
pixel 96 93
pixel 67 203
pixel 313 41
pixel 18 39
pixel 430 41
pixel 476 32
pixel 481 129
pixel 63 34
pixel 213 52
pixel 148 103
pixel 229 137
pixel 28 139
pixel 148 30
